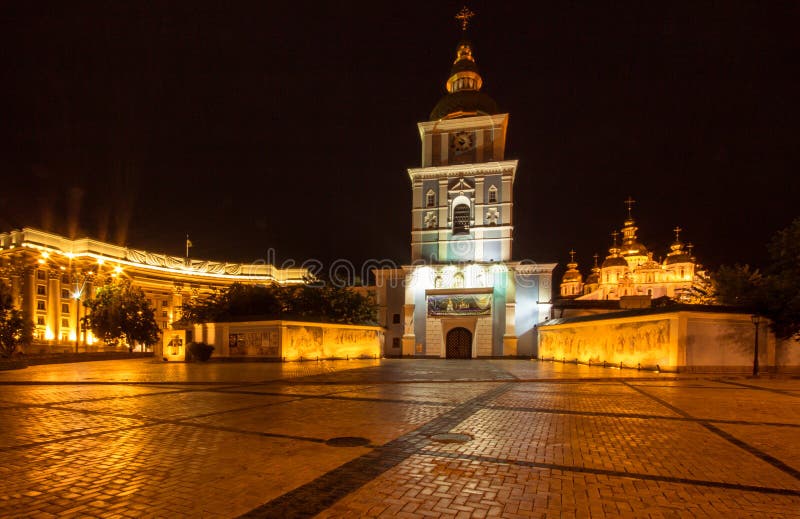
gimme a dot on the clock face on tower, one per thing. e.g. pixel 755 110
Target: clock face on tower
pixel 462 141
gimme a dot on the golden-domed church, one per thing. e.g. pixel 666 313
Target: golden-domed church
pixel 630 270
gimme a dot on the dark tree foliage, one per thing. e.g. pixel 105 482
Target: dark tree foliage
pixel 236 303
pixel 776 293
pixel 120 312
pixel 15 330
pixel 330 304
pixel 309 302
pixel 781 292
pixel 738 285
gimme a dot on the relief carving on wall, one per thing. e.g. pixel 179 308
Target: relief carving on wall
pixel 645 343
pixel 408 321
pixel 430 220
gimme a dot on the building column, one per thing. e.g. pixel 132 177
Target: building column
pixel 16 289
pixel 29 299
pixel 409 339
pixel 176 306
pixel 510 335
pixel 54 305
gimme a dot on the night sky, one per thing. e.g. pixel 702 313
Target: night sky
pixel 290 125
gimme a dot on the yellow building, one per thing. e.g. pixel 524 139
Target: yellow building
pixel 50 275
pixel 630 270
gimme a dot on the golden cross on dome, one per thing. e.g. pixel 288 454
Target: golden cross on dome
pixel 629 202
pixel 572 256
pixel 463 17
pixel 596 256
pixel 677 233
pixel 614 235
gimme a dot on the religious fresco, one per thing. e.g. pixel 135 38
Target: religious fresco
pixel 459 304
pixel 263 343
pixel 296 340
pixel 303 341
pixel 311 342
pixel 646 343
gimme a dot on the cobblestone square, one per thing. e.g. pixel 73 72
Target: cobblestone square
pixel 139 438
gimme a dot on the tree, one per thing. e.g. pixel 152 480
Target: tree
pixel 739 285
pixel 330 303
pixel 120 312
pixel 317 302
pixel 701 292
pixel 15 330
pixel 776 293
pixel 780 299
pixel 237 302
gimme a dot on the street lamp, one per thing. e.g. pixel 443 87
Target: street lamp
pixel 756 321
pixel 77 295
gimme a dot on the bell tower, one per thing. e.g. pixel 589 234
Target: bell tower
pixel 463 191
pixel 463 296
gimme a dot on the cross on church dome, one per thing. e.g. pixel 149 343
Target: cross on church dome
pixel 463 17
pixel 629 202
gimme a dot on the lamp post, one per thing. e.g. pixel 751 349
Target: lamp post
pixel 756 321
pixel 77 295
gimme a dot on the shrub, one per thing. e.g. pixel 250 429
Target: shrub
pixel 200 351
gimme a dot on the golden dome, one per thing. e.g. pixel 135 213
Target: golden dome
pixel 572 274
pixel 615 261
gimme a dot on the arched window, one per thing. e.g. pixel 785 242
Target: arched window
pixel 430 198
pixel 492 195
pixel 461 219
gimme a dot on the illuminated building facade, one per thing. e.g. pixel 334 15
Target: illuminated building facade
pixel 630 270
pixel 50 275
pixel 463 296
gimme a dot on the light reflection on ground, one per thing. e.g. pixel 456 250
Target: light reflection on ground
pixel 145 438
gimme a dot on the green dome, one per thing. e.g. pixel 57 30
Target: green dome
pixel 465 103
pixel 464 97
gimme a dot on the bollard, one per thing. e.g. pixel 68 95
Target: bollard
pixel 639 367
pixel 348 356
pixel 620 364
pixel 317 358
pixel 604 364
pixel 563 360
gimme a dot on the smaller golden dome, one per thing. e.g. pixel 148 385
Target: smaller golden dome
pixel 615 261
pixel 572 274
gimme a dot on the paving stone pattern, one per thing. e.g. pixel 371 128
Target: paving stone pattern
pixel 137 438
